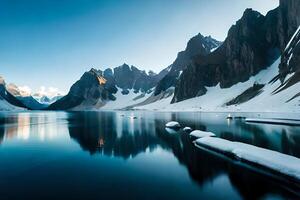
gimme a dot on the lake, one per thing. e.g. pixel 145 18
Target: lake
pixel 130 155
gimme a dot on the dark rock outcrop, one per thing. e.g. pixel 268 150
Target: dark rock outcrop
pixel 126 77
pixel 288 20
pixel 198 45
pixel 248 94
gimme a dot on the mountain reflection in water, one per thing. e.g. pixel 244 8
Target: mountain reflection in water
pixel 128 135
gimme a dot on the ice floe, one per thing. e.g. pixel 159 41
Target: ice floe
pixel 201 134
pixel 278 162
pixel 187 129
pixel 173 125
pixel 289 122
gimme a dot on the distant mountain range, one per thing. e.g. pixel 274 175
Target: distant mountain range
pixel 90 93
pixel 255 68
pixel 95 88
pixel 13 98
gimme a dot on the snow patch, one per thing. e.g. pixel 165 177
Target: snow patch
pixel 290 57
pixel 274 121
pixel 293 37
pixel 172 124
pixel 213 49
pixel 201 134
pixel 125 100
pixel 279 162
pixel 187 129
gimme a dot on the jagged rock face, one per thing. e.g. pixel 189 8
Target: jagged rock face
pixel 295 59
pixel 244 53
pixel 198 45
pixel 290 60
pixel 251 45
pixel 126 77
pixel 87 89
pixel 289 19
pixel 111 82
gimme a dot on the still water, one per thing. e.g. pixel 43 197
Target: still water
pixel 130 155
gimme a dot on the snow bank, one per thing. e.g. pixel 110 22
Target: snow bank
pixel 274 121
pixel 279 162
pixel 201 134
pixel 173 124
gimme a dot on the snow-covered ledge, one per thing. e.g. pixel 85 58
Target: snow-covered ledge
pixel 200 134
pixel 289 122
pixel 173 124
pixel 272 160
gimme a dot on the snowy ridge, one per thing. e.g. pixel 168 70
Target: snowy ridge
pixel 279 162
pixel 216 97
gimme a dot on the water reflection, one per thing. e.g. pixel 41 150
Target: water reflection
pixel 136 136
pixel 38 125
pixel 114 134
pixel 128 135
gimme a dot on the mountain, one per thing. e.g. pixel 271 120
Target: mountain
pixel 252 44
pixel 198 45
pixel 7 100
pixel 126 85
pixel 89 90
pixel 127 78
pixel 46 100
pixel 255 68
pixel 95 88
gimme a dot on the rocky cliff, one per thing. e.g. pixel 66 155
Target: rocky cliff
pixel 252 44
pixel 198 45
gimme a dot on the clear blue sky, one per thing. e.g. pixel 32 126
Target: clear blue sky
pixel 52 42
